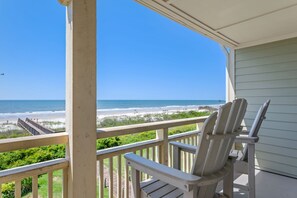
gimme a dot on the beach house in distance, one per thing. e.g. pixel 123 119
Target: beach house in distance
pixel 259 37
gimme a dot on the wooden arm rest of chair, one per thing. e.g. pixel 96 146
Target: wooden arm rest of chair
pixel 177 178
pixel 184 147
pixel 246 139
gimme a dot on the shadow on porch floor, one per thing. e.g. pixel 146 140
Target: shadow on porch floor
pixel 269 185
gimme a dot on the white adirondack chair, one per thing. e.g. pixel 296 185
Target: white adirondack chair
pixel 246 163
pixel 210 166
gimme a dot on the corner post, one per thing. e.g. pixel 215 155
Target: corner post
pixel 81 97
pixel 230 73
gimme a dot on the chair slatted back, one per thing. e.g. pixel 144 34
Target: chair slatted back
pixel 241 105
pixel 217 137
pixel 256 126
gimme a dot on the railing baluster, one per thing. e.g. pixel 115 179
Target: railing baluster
pixel 110 177
pixel 119 175
pixel 196 140
pixel 147 154
pixel 101 178
pixel 147 157
pixel 192 155
pixel 50 184
pixel 159 154
pixel 35 186
pixel 141 173
pixel 154 153
pixel 127 181
pixel 141 152
pixel 65 183
pixel 189 157
pixel 184 158
pixel 169 156
pixel 18 189
pixel 172 156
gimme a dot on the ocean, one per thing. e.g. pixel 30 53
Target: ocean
pixel 30 106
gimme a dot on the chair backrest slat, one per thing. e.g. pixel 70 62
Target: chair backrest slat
pixel 208 127
pixel 256 126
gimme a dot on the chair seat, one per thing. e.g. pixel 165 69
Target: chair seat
pixel 154 188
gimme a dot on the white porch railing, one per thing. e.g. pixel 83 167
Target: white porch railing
pixel 16 175
pixel 111 164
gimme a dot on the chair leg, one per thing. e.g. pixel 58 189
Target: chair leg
pixel 191 194
pixel 176 158
pixel 228 183
pixel 251 170
pixel 135 175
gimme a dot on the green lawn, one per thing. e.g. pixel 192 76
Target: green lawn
pixel 43 181
pixel 57 186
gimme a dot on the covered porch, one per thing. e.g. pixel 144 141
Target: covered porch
pixel 260 42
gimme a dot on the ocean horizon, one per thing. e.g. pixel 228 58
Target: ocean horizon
pixel 30 106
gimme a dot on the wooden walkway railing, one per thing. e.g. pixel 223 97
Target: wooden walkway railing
pixel 29 127
pixel 33 127
pixel 40 127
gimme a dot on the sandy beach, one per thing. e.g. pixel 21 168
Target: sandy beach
pixel 56 119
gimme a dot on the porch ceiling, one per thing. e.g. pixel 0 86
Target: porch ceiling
pixel 235 23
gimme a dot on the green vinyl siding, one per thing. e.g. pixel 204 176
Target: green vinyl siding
pixel 264 72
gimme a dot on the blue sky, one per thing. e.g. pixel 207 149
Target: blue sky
pixel 141 54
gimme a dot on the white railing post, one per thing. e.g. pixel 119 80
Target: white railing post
pixel 81 97
pixel 199 126
pixel 162 134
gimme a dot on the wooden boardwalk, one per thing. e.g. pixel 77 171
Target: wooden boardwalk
pixel 33 127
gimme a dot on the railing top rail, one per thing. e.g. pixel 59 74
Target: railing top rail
pixel 182 135
pixel 32 141
pixel 113 151
pixel 12 144
pixel 137 128
pixel 33 169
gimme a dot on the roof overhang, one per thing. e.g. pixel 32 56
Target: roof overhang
pixel 233 23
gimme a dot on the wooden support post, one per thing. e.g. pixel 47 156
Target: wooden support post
pixel 230 73
pixel 162 134
pixel 81 97
pixel 251 170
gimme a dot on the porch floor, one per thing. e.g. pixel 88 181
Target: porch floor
pixel 269 185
